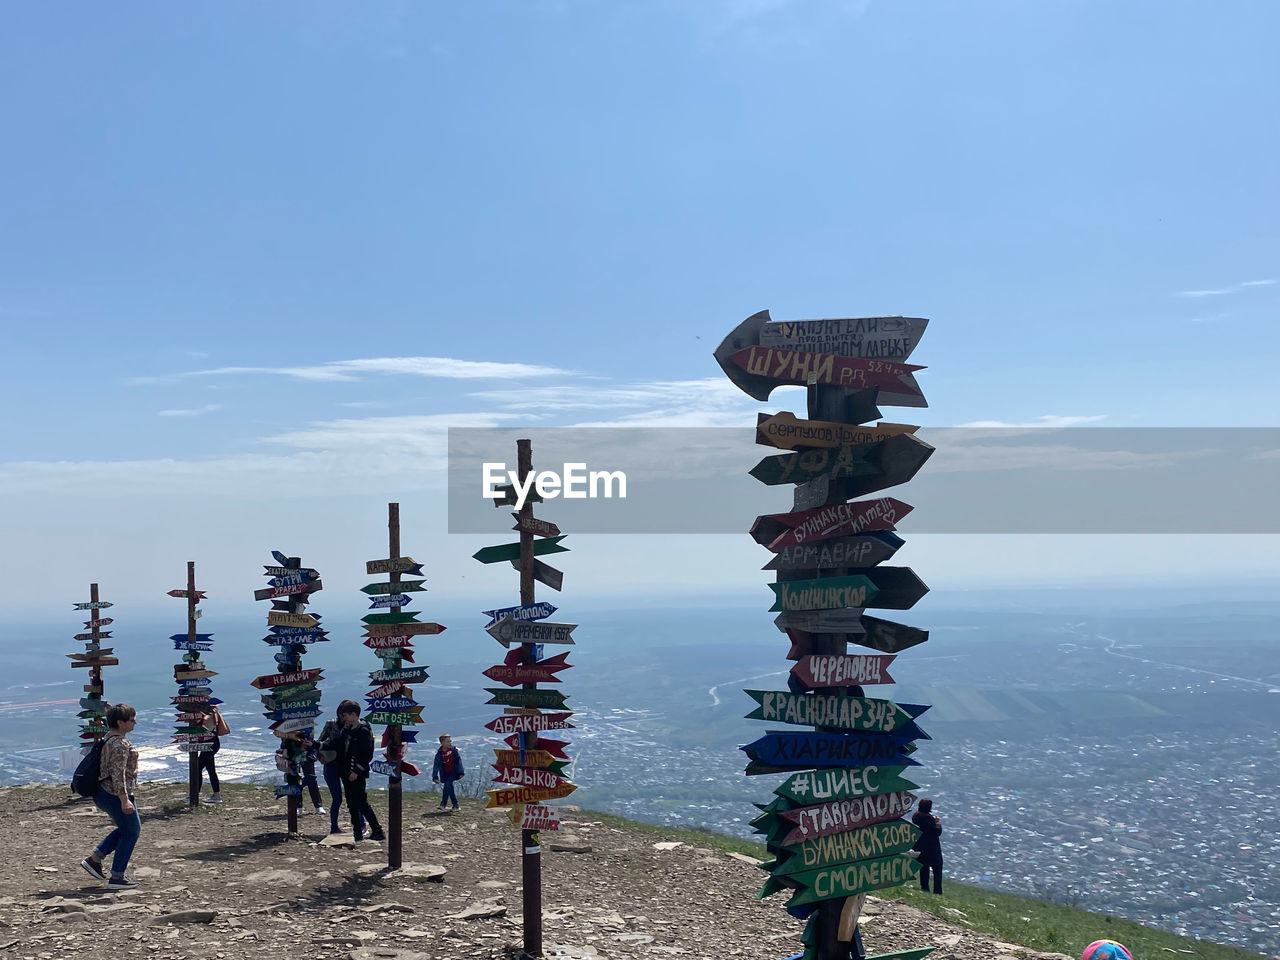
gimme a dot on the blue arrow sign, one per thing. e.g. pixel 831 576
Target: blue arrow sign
pixel 290 579
pixel 193 690
pixel 288 790
pixel 384 767
pixel 803 750
pixel 529 611
pixel 183 645
pixel 408 736
pixel 282 631
pixel 391 703
pixel 280 558
pixel 290 639
pixel 200 637
pixel 390 600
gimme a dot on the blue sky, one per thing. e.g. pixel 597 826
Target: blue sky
pixel 255 258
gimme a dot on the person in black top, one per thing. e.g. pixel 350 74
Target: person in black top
pixel 354 756
pixel 929 844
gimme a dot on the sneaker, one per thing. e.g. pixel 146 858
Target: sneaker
pixel 93 869
pixel 121 883
pixel 442 807
pixel 320 811
pixel 377 836
pixel 216 798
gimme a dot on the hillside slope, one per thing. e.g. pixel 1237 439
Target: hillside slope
pixel 237 886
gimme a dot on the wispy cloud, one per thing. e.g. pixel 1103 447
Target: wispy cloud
pixel 1223 291
pixel 416 434
pixel 1045 421
pixel 447 368
pixel 193 412
pixel 711 402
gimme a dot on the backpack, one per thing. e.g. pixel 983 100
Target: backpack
pixel 85 780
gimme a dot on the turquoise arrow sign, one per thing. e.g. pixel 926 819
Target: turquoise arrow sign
pixel 829 710
pixel 825 593
pixel 511 551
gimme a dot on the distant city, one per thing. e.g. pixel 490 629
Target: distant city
pixel 1125 764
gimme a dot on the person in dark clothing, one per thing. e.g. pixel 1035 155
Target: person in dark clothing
pixel 216 724
pixel 446 768
pixel 329 746
pixel 353 765
pixel 929 844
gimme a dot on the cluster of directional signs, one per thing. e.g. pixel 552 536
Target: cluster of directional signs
pixel 290 694
pixel 195 692
pixel 836 825
pixel 93 706
pixel 389 632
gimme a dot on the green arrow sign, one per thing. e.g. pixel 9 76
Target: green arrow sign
pixel 866 843
pixel 850 879
pixel 390 618
pixel 546 699
pixel 842 783
pixel 825 593
pixel 404 586
pixel 511 551
pixel 390 718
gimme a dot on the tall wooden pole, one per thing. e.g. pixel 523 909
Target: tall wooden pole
pixel 531 852
pixel 95 673
pixel 294 802
pixel 395 784
pixel 193 758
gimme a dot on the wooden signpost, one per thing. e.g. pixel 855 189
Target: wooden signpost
pixel 194 690
pixel 533 768
pixel 291 700
pixel 835 825
pixel 391 703
pixel 93 706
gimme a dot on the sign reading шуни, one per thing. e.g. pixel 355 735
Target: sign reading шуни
pixel 574 482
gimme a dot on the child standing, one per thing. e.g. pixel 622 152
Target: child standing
pixel 445 769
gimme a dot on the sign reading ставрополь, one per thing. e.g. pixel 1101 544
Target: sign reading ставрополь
pixel 573 482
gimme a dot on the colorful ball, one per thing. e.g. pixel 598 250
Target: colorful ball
pixel 1106 950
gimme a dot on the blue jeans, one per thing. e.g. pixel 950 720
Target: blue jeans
pixel 333 780
pixel 446 791
pixel 124 837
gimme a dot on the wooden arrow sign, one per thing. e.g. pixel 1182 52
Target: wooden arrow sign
pixel 515 795
pixel 388 643
pixel 801 750
pixel 778 366
pixel 865 550
pixel 852 445
pixel 511 551
pixel 896 588
pixel 544 573
pixel 98 662
pixel 97 624
pixel 778 530
pixel 528 611
pixel 843 669
pixel 542 699
pixel 889 637
pixel 276 618
pixel 404 586
pixel 394 565
pixel 536 816
pixel 526 777
pixel 539 528
pixel 850 879
pixel 838 816
pixel 540 759
pixel 90 637
pixel 544 671
pixel 293 713
pixel 403 630
pixel 508 631
pixel 395 653
pixel 284 679
pixel 528 722
pixel 860 469
pixel 92 655
pixel 872 338
pixel 866 843
pixel 188 594
pixel 278 571
pixel 193 674
pixel 828 710
pixel 827 593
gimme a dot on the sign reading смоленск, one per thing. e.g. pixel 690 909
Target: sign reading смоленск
pixel 573 482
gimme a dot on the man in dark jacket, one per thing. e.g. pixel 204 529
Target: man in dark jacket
pixel 355 753
pixel 929 844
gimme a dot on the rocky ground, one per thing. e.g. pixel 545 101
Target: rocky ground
pixel 229 882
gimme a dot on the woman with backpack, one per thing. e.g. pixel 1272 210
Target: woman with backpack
pixel 117 783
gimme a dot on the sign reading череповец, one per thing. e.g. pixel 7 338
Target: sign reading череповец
pixel 573 482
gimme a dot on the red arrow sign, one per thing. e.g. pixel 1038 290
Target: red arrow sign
pixel 553 747
pixel 843 669
pixel 388 643
pixel 528 722
pixel 544 671
pixel 526 776
pixel 402 629
pixel 793 366
pixel 199 594
pixel 824 819
pixel 779 530
pixel 280 679
pixel 96 624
